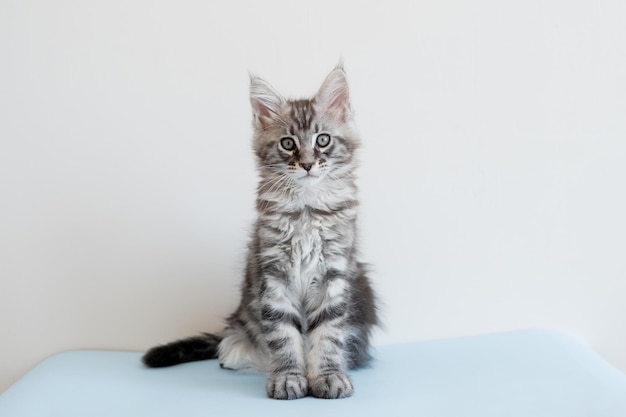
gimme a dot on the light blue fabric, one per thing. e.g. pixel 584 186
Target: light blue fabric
pixel 525 374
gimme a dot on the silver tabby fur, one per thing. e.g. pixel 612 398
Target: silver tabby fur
pixel 307 308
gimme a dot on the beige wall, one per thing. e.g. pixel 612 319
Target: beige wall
pixel 492 180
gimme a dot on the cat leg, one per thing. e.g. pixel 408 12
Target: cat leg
pixel 237 352
pixel 282 331
pixel 326 361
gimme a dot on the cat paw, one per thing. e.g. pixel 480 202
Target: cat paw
pixel 286 387
pixel 331 386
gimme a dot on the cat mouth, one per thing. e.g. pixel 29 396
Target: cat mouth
pixel 308 177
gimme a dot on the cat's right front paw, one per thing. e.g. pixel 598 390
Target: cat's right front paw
pixel 286 387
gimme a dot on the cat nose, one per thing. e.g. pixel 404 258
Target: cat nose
pixel 307 166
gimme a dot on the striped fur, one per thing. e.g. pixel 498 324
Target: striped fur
pixel 307 308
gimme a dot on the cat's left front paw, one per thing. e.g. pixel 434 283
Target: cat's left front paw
pixel 331 386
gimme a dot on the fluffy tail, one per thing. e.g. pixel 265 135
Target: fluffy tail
pixel 195 348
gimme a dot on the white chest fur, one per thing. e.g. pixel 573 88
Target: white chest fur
pixel 307 256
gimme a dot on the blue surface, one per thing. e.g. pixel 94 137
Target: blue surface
pixel 527 373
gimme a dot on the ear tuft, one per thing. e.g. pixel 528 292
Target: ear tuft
pixel 334 96
pixel 266 102
pixel 340 65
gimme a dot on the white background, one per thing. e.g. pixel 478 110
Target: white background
pixel 492 181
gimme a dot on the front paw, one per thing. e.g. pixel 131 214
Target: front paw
pixel 331 386
pixel 286 387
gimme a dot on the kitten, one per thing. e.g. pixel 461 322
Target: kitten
pixel 307 308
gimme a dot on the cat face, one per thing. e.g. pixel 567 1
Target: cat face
pixel 304 141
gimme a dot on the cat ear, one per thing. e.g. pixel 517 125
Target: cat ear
pixel 266 102
pixel 334 97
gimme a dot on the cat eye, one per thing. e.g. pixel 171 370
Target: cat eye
pixel 288 144
pixel 323 140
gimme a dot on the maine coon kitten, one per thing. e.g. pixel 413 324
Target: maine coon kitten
pixel 307 308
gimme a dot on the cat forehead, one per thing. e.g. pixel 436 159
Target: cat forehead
pixel 302 115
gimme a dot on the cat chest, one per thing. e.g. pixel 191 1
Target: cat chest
pixel 306 249
pixel 304 243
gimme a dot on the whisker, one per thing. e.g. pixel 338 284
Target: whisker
pixel 271 187
pixel 350 190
